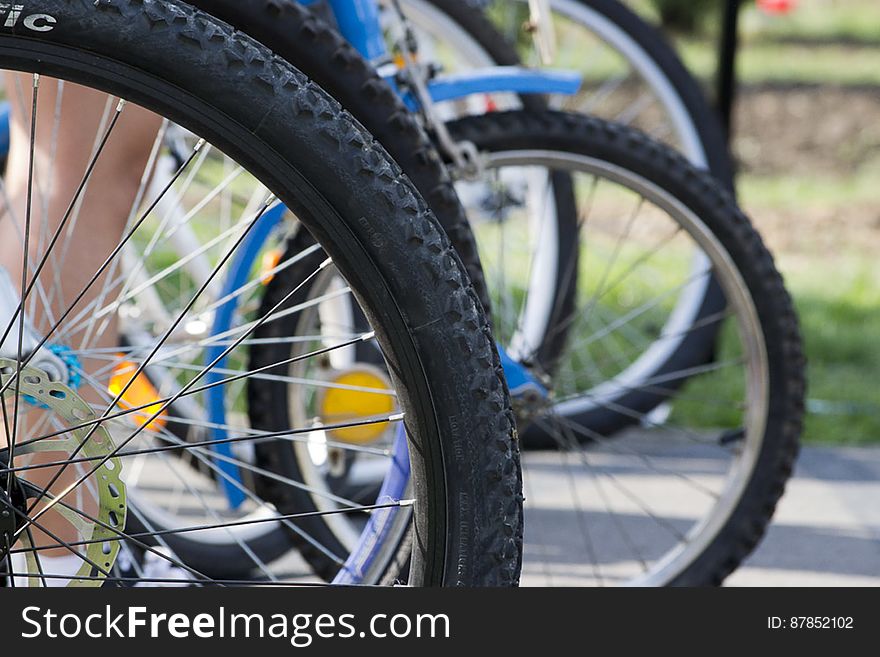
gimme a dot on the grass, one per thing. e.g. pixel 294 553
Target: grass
pixel 762 61
pixel 829 41
pixel 850 20
pixel 834 278
pixel 819 192
pixel 840 323
pixel 830 267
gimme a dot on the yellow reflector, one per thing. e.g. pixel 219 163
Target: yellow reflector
pixel 340 405
pixel 139 394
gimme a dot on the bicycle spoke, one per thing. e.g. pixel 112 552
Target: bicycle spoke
pixel 141 367
pixel 107 262
pixel 230 524
pixel 24 268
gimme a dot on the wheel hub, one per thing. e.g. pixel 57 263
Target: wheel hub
pixel 12 508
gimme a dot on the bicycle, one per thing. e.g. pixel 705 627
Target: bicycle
pixel 738 533
pixel 156 62
pixel 630 75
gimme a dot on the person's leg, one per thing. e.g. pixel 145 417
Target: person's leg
pixel 65 144
pixel 67 135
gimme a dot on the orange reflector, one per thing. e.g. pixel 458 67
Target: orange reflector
pixel 270 261
pixel 140 394
pixel 400 60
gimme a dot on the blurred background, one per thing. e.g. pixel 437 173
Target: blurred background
pixel 807 143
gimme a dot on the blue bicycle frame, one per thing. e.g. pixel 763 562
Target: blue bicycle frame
pixel 359 23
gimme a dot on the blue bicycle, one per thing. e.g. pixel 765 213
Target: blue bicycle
pixel 578 301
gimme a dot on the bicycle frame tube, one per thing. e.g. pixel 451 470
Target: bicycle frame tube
pixel 504 79
pixel 4 129
pixel 358 22
pixel 726 75
pixel 224 320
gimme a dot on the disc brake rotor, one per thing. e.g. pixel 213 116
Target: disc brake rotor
pixel 99 534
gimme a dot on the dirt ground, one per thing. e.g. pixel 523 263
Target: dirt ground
pixel 828 137
pixel 808 129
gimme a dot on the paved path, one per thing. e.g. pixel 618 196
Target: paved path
pixel 827 528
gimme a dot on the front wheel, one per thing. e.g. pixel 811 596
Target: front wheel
pixel 96 454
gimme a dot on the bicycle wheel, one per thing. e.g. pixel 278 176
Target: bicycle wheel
pixel 67 403
pixel 678 500
pixel 631 76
